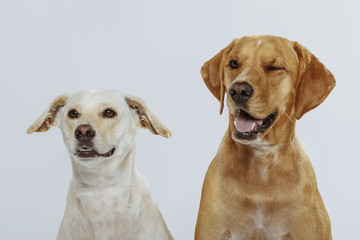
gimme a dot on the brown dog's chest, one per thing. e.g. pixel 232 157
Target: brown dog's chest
pixel 260 199
pixel 267 195
pixel 249 219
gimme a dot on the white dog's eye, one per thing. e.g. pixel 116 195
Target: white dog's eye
pixel 73 114
pixel 109 113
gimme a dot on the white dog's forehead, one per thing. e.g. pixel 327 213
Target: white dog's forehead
pixel 91 99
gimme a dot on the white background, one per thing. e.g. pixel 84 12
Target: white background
pixel 154 50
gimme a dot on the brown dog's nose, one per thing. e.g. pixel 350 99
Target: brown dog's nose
pixel 84 133
pixel 241 92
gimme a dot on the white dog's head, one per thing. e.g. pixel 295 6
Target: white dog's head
pixel 98 124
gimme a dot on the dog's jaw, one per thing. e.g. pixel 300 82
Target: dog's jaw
pixel 103 171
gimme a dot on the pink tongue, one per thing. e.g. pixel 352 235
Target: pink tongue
pixel 246 125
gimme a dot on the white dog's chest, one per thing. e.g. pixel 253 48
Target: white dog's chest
pixel 107 212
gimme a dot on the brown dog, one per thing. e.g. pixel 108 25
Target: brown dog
pixel 261 184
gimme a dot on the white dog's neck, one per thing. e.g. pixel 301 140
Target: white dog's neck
pixel 115 171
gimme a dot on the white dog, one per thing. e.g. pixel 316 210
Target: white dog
pixel 108 198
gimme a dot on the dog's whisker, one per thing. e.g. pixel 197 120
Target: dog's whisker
pixel 289 117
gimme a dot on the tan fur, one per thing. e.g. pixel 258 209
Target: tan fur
pixel 265 188
pixel 146 118
pixel 47 119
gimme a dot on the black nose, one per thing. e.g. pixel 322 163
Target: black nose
pixel 84 133
pixel 241 92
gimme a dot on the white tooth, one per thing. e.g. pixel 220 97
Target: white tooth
pixel 235 123
pixel 253 126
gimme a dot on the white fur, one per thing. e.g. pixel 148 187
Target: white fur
pixel 108 198
pixel 242 76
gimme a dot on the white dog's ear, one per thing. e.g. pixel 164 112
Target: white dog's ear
pixel 213 74
pixel 48 118
pixel 145 118
pixel 314 82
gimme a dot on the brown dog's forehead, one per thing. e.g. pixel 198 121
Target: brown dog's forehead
pixel 266 47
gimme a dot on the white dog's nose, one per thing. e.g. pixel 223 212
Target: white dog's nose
pixel 84 133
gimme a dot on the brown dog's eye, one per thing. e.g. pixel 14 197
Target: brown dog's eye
pixel 109 113
pixel 233 64
pixel 273 68
pixel 73 114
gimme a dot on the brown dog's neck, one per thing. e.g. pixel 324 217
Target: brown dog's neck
pixel 263 161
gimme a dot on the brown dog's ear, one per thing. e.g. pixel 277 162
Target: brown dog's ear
pixel 314 82
pixel 213 74
pixel 48 118
pixel 146 118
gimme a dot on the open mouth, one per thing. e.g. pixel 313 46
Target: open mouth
pixel 247 127
pixel 86 152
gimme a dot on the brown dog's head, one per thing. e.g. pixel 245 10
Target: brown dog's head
pixel 269 81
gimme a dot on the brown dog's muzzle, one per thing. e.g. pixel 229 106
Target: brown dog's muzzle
pixel 247 127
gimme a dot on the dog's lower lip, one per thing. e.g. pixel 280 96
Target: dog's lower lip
pixel 85 152
pixel 108 154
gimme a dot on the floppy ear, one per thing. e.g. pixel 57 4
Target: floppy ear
pixel 145 117
pixel 48 118
pixel 213 74
pixel 314 82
